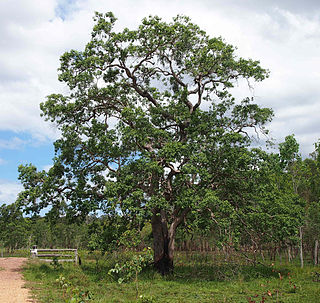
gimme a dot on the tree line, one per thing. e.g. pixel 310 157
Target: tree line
pixel 290 182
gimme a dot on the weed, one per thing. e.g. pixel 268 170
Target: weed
pixel 71 294
pixel 55 263
pixel 146 299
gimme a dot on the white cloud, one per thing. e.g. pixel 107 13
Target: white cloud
pixel 47 167
pixel 34 39
pixel 9 191
pixel 13 143
pixel 284 35
pixel 16 143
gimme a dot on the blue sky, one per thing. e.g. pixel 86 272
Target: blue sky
pixel 283 35
pixel 16 149
pixel 65 8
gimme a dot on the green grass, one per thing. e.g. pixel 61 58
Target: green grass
pixel 198 278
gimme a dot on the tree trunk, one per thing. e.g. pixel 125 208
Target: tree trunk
pixel 163 253
pixel 164 240
pixel 301 247
pixel 316 245
pixel 289 254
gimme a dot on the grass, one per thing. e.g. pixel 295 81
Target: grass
pixel 198 278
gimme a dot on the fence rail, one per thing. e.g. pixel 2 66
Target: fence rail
pixel 55 253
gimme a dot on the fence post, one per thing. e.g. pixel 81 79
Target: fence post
pixel 34 251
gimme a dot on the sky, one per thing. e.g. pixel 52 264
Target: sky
pixel 284 35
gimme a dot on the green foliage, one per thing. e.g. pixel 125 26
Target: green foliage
pixel 40 184
pixel 146 82
pixel 14 228
pixel 146 299
pixel 131 269
pixel 105 232
pixel 130 238
pixel 312 223
pixel 289 151
pixel 72 294
pixel 55 263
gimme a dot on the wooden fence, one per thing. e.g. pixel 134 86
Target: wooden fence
pixel 44 254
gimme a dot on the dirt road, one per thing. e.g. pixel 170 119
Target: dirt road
pixel 12 288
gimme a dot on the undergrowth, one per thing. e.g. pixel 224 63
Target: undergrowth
pixel 196 278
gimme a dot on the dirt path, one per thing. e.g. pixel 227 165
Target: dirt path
pixel 12 288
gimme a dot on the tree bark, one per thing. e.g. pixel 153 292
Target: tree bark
pixel 289 254
pixel 316 245
pixel 164 240
pixel 163 257
pixel 301 247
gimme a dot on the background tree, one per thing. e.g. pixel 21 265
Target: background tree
pixel 309 190
pixel 312 229
pixel 14 228
pixel 149 127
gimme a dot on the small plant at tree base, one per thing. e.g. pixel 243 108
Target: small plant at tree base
pixel 130 269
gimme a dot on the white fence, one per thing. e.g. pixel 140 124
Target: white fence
pixel 55 254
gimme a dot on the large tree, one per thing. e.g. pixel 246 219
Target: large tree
pixel 149 128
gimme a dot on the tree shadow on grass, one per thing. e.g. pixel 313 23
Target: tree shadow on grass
pixel 219 273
